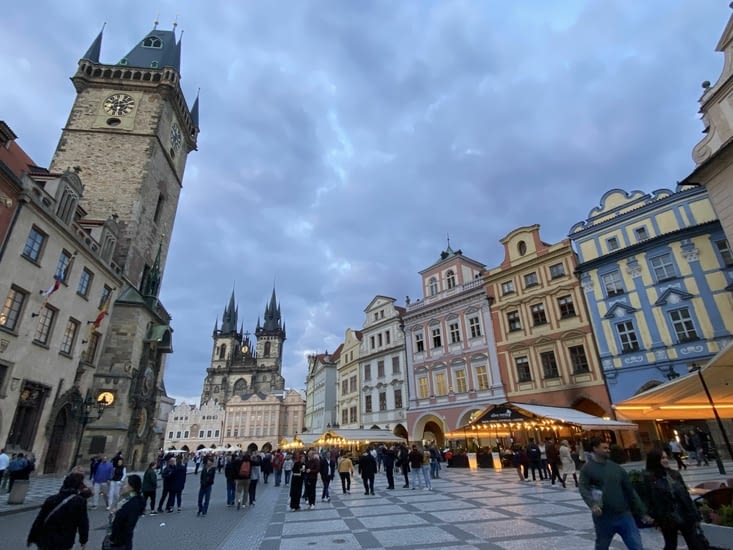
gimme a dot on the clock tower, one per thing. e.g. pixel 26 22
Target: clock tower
pixel 129 134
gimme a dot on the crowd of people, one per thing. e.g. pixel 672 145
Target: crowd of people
pixel 14 467
pixel 617 506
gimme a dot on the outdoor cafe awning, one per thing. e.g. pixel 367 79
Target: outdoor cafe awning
pixel 684 398
pixel 516 416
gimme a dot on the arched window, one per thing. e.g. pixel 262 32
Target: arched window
pixel 433 286
pixel 240 386
pixel 152 42
pixel 450 279
pixel 223 351
pixel 267 349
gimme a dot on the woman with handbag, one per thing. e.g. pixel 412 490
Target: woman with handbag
pixel 61 517
pixel 668 501
pixel 130 508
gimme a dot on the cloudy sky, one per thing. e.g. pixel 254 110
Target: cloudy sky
pixel 341 141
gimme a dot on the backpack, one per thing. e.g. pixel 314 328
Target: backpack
pixel 245 468
pixel 533 452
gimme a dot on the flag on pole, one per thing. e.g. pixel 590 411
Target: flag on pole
pixel 103 312
pixel 54 286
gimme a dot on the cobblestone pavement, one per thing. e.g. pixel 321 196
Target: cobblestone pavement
pixel 467 509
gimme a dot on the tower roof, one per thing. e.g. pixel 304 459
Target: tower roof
pixel 229 319
pixel 157 49
pixel 95 49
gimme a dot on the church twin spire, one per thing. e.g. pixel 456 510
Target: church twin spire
pixel 273 318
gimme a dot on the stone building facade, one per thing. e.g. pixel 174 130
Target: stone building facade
pixel 348 381
pixel 321 392
pixel 128 134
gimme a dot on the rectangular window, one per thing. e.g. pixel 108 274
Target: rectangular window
pixel 382 401
pixel 612 283
pixel 578 359
pixel 437 342
pixel 229 432
pixel 507 287
pixel 367 372
pixel 371 342
pixel 398 399
pixel 201 433
pixel 530 279
pixel 92 344
pixel 538 314
pixel 474 327
pixel 380 369
pixel 683 326
pixel 344 387
pixel 395 365
pixel 460 378
pixel 513 321
pixel 69 339
pixel 482 377
pixel 352 414
pixel 44 324
pixel 641 233
pixel 455 333
pixel 106 291
pixel 724 249
pixel 367 403
pixel 419 342
pixel 663 267
pixel 85 282
pixel 549 365
pixel 34 244
pixel 352 384
pixel 612 244
pixel 208 433
pixel 523 372
pixel 567 308
pixel 170 435
pixel 345 416
pixel 627 336
pixel 557 271
pixel 441 386
pixel 12 308
pixel 178 435
pixel 216 433
pixel 185 434
pixel 62 266
pixel 379 339
pixel 387 338
pixel 422 387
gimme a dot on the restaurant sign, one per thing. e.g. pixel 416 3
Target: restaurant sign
pixel 502 413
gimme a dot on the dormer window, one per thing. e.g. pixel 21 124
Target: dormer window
pixel 154 65
pixel 123 61
pixel 152 42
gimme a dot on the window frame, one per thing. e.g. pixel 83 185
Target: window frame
pixel 557 270
pixel 474 327
pixel 666 268
pixel 68 342
pixel 86 278
pixel 522 369
pixel 627 336
pixel 9 311
pixel 539 315
pixel 548 361
pixel 450 279
pixel 419 341
pixel 566 306
pixel 514 321
pixel 45 321
pixel 613 283
pixel 722 246
pixel 507 287
pixel 454 331
pixel 436 337
pixel 579 359
pixel 34 245
pixel 531 280
pixel 683 327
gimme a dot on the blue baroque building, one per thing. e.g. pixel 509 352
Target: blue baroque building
pixel 656 270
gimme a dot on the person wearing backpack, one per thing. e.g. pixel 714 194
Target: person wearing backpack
pixel 534 455
pixel 230 473
pixel 244 472
pixel 61 517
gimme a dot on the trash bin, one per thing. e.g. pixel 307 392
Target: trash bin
pixel 20 490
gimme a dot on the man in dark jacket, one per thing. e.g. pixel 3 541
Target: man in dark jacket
pixel 388 460
pixel 230 473
pixel 177 484
pixel 61 517
pixel 312 469
pixel 167 476
pixel 367 469
pixel 403 461
pixel 553 460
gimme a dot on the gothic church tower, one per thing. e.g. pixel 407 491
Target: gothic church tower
pixel 129 134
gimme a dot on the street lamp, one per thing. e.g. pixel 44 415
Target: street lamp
pixel 85 412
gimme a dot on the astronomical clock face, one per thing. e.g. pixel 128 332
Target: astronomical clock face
pixel 176 137
pixel 119 104
pixel 106 397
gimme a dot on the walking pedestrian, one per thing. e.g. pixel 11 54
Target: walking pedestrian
pixel 266 466
pixel 567 463
pixel 244 471
pixel 100 482
pixel 676 450
pixel 178 483
pixel 403 462
pixel 254 478
pixel 426 469
pixel 312 469
pixel 669 503
pixel 296 485
pixel 288 467
pixel 606 489
pixel 277 466
pixel 434 461
pixel 326 473
pixel 534 456
pixel 553 461
pixel 167 475
pixel 119 473
pixel 388 461
pixel 367 470
pixel 415 460
pixel 207 482
pixel 150 487
pixel 346 470
pixel 61 517
pixel 230 473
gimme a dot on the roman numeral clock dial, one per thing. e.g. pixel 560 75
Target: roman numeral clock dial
pixel 119 104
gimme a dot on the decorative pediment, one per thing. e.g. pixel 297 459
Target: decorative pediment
pixel 672 296
pixel 619 309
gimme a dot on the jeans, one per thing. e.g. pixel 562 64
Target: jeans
pixel 345 481
pixel 243 491
pixel 278 477
pixel 434 468
pixel 426 475
pixel 252 490
pixel 624 524
pixel 204 496
pixel 416 475
pixel 368 480
pixel 231 490
pixel 100 489
pixel 114 492
pixel 288 473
